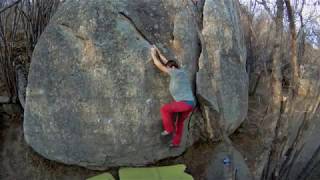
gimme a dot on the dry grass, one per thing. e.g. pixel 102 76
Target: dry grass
pixel 20 27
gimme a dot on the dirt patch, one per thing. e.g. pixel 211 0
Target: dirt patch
pixel 196 158
pixel 249 138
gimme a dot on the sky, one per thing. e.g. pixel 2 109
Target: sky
pixel 310 13
pixel 311 7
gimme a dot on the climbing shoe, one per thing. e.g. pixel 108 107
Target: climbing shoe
pixel 164 133
pixel 174 145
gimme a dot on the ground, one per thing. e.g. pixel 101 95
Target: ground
pixel 18 161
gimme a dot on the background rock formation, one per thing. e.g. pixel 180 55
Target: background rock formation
pixel 222 75
pixel 218 168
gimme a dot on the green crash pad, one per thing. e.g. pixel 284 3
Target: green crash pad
pixel 175 172
pixel 104 176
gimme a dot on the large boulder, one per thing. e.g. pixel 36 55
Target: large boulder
pixel 226 162
pixel 222 81
pixel 94 95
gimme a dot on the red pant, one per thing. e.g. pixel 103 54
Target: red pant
pixel 167 112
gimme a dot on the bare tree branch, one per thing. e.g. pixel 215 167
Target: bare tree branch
pixel 266 7
pixel 9 6
pixel 300 12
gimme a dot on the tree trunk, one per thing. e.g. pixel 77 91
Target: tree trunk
pixel 276 99
pixel 293 47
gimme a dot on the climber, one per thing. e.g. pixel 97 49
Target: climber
pixel 180 89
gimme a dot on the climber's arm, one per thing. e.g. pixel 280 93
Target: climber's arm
pixel 157 62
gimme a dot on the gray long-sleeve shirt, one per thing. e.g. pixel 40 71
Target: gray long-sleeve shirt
pixel 180 87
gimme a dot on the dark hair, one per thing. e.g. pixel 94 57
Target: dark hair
pixel 172 63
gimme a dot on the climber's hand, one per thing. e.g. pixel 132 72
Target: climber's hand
pixel 162 57
pixel 154 54
pixel 157 61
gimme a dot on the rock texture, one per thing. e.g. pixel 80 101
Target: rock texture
pixel 301 129
pixel 218 170
pixel 4 99
pixel 222 82
pixel 94 96
pixel 22 81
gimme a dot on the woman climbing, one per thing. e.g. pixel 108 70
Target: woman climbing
pixel 180 89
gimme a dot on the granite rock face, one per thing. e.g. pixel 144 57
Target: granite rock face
pixel 226 159
pixel 222 81
pixel 301 147
pixel 94 95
